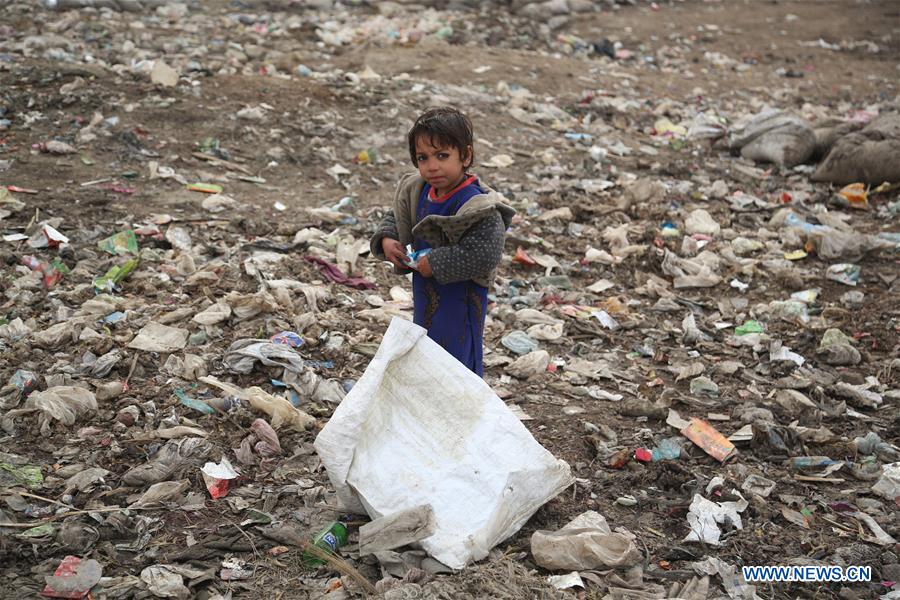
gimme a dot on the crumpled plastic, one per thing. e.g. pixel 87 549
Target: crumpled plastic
pixel 888 485
pixel 691 273
pixel 167 581
pixel 333 273
pixel 586 542
pixel 529 365
pixel 63 403
pixel 169 459
pixel 705 515
pixel 242 355
pixel 281 411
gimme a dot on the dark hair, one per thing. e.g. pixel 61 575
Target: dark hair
pixel 443 126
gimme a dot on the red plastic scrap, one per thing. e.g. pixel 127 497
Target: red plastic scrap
pixel 522 258
pixel 218 488
pixel 67 568
pixel 643 455
pixel 20 190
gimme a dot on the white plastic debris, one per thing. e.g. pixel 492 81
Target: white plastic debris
pixel 888 486
pixel 567 581
pixel 387 449
pixel 159 338
pixel 704 517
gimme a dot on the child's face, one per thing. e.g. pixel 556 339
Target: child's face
pixel 441 166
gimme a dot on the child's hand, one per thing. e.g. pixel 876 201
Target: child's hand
pixel 394 252
pixel 424 268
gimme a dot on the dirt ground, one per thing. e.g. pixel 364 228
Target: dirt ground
pixel 311 123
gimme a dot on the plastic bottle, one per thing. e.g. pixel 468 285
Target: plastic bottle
pixel 329 539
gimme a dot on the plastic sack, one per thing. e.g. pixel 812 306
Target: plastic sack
pixel 419 428
pixel 776 137
pixel 868 156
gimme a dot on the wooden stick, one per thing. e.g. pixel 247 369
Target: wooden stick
pixel 77 512
pixel 36 497
pixel 286 535
pixel 225 163
pixel 819 479
pixel 249 539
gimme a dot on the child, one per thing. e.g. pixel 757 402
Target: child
pixel 447 210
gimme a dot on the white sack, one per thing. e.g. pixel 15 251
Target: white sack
pixel 419 428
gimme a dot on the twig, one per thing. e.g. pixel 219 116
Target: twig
pixel 36 497
pixel 835 523
pixel 249 539
pixel 225 163
pixel 130 372
pixel 286 535
pixel 76 512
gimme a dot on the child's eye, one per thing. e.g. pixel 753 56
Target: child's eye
pixel 444 155
pixel 421 157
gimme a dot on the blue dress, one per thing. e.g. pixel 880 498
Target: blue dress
pixel 453 313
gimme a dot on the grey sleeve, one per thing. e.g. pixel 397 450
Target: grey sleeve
pixel 386 229
pixel 478 252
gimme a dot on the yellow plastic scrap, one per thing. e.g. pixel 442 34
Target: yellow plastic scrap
pixel 667 128
pixel 281 411
pixel 856 195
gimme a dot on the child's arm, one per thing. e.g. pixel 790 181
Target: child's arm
pixel 385 242
pixel 386 229
pixel 388 241
pixel 478 252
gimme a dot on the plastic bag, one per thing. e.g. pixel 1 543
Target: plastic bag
pixel 170 458
pixel 888 487
pixel 281 410
pixel 63 403
pixel 586 542
pixel 419 428
pixel 154 337
pixel 519 342
pixel 413 257
pixel 243 354
pixel 529 365
pixel 215 313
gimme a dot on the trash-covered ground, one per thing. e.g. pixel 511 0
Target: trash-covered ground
pixel 697 310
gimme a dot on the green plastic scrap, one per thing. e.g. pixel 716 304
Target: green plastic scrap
pixel 257 517
pixel 197 405
pixel 28 475
pixel 59 266
pixel 45 530
pixel 834 336
pixel 116 274
pixel 124 242
pixel 749 327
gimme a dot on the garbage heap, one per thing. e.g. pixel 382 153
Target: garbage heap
pixel 696 310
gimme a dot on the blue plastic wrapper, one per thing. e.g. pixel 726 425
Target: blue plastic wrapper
pixel 412 258
pixel 25 381
pixel 287 338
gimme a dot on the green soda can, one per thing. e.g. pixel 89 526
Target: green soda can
pixel 329 539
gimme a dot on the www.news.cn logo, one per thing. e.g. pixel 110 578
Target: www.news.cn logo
pixel 807 573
